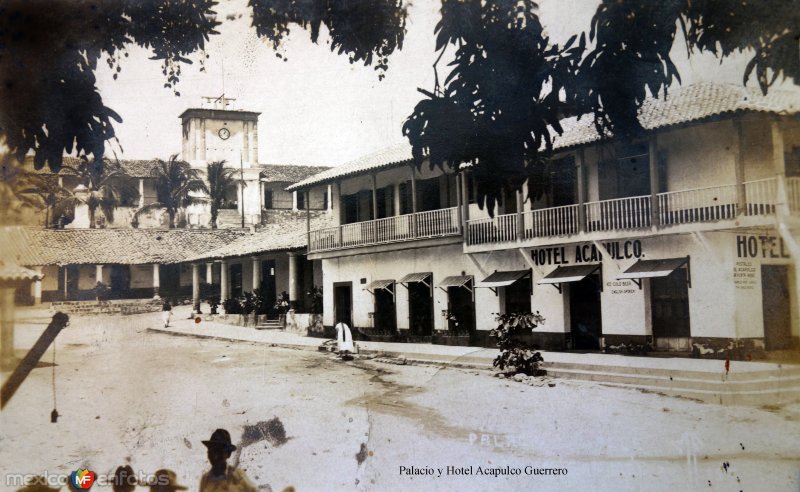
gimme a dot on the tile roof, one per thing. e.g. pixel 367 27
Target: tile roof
pixel 142 168
pixel 286 236
pixel 693 103
pixel 396 154
pixel 28 246
pixel 288 173
pixel 13 272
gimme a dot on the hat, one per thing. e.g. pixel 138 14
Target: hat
pixel 166 480
pixel 221 437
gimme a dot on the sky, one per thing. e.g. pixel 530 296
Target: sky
pixel 316 108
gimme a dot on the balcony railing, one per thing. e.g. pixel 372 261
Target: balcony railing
pixel 421 225
pixel 498 229
pixel 697 205
pixel 555 221
pixel 760 196
pixel 793 193
pixel 620 213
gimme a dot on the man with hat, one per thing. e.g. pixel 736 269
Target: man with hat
pixel 222 477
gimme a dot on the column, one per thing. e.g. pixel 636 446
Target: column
pixel 203 139
pixel 520 218
pixel 196 287
pixel 156 279
pixel 141 192
pixel 66 283
pixel 294 201
pixel 413 201
pixel 37 287
pixel 223 281
pixel 465 177
pixel 192 139
pixel 256 273
pixel 254 141
pixel 246 144
pixel 738 166
pixel 209 273
pixel 330 198
pixel 341 202
pixel 7 359
pixel 98 273
pixel 580 175
pixel 654 179
pixel 294 282
pixel 374 197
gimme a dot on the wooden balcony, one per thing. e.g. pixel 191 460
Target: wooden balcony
pixel 674 209
pixel 410 227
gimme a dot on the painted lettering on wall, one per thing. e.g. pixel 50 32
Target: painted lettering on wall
pixel 621 287
pixel 760 247
pixel 744 275
pixel 588 253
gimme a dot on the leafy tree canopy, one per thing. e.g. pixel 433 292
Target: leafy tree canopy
pixel 49 51
pixel 509 85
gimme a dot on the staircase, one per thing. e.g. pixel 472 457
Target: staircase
pixel 751 387
pixel 270 324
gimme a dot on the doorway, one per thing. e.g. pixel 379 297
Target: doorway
pixel 268 289
pixel 775 303
pixel 120 281
pixel 420 308
pixel 585 313
pixel 461 307
pixel 385 311
pixel 343 303
pixel 669 302
pixel 170 280
pixel 518 296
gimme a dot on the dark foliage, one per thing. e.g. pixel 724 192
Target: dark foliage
pixel 232 306
pixel 176 182
pixel 515 351
pixel 509 86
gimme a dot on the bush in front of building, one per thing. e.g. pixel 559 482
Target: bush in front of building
pixel 515 352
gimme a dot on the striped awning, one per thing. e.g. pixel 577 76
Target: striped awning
pixel 569 273
pixel 502 279
pixel 415 277
pixel 455 281
pixel 380 284
pixel 653 268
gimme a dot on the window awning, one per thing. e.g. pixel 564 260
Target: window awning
pixel 415 277
pixel 381 284
pixel 571 273
pixel 656 268
pixel 502 279
pixel 456 281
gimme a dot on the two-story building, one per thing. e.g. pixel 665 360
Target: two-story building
pixel 685 239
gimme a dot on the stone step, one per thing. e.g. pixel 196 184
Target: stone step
pixel 786 371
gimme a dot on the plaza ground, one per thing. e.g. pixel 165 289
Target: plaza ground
pixel 129 395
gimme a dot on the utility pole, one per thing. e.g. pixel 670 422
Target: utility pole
pixel 241 185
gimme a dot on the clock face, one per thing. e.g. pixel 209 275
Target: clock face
pixel 224 133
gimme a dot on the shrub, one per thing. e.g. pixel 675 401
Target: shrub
pixel 515 351
pixel 232 306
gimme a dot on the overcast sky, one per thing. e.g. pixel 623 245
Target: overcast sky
pixel 316 108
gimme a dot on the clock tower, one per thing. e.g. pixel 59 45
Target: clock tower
pixel 216 131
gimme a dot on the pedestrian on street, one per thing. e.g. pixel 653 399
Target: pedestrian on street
pixel 165 481
pixel 221 477
pixel 344 339
pixel 166 312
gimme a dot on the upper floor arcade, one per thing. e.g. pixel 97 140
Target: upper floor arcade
pixel 716 157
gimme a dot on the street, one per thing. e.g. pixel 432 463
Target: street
pixel 306 419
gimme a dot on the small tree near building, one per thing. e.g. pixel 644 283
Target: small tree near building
pixel 176 185
pixel 515 351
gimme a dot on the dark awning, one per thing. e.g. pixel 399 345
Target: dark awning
pixel 455 281
pixel 380 284
pixel 653 268
pixel 502 279
pixel 570 273
pixel 415 277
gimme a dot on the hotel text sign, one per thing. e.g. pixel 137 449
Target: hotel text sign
pixel 587 253
pixel 760 247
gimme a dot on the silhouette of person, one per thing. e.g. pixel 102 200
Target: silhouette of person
pixel 165 481
pixel 124 479
pixel 166 312
pixel 38 484
pixel 344 339
pixel 221 477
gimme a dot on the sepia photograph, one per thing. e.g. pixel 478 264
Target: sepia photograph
pixel 399 245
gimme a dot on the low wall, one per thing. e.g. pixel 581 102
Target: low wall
pixel 303 323
pixel 125 306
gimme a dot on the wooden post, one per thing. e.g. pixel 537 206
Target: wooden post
pixel 654 179
pixel 520 218
pixel 413 201
pixel 156 279
pixel 374 197
pixel 580 164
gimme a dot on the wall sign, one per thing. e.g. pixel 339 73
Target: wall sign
pixel 744 275
pixel 760 247
pixel 587 253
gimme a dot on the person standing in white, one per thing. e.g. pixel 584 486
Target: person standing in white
pixel 166 312
pixel 344 339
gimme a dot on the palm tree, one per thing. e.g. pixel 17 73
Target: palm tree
pixel 108 186
pixel 176 182
pixel 220 180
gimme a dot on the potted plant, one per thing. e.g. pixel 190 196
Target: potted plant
pixel 213 303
